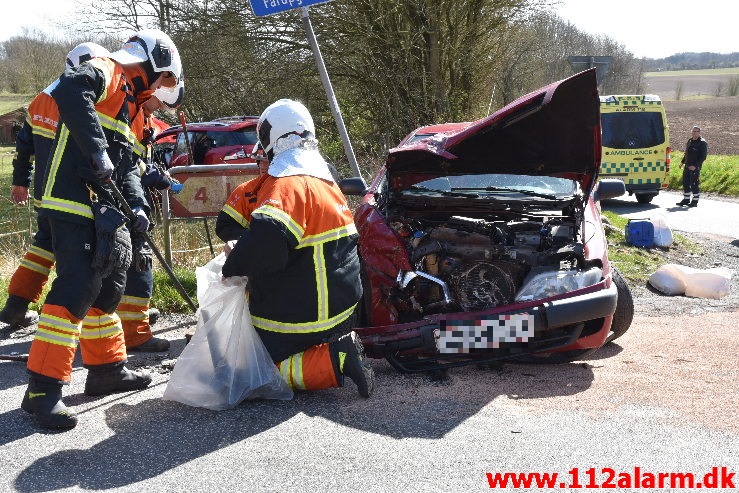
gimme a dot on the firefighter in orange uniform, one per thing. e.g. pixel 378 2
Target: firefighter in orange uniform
pixel 134 310
pixel 233 218
pixel 93 146
pixel 298 250
pixel 35 139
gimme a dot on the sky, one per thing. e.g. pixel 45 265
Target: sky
pixel 647 28
pixel 658 28
pixel 34 14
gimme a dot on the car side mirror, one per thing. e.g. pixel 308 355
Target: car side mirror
pixel 353 186
pixel 609 188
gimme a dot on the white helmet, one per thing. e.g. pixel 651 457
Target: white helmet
pixel 154 46
pixel 171 98
pixel 84 52
pixel 281 119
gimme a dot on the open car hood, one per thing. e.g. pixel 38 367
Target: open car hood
pixel 553 131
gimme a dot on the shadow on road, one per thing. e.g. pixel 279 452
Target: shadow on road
pixel 625 203
pixel 626 206
pixel 155 436
pixel 608 351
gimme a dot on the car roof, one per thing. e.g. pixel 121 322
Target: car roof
pixel 226 123
pixel 431 130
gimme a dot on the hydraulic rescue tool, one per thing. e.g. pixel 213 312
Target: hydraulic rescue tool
pixel 113 189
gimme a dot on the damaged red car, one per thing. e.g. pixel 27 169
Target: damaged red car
pixel 482 241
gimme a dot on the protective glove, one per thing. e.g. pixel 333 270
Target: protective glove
pixel 176 187
pixel 102 165
pixel 112 240
pixel 141 224
pixel 142 260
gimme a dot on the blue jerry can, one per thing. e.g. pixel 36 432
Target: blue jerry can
pixel 640 232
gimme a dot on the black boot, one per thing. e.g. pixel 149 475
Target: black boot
pixel 683 202
pixel 349 354
pixel 693 203
pixel 153 345
pixel 114 377
pixel 16 313
pixel 43 399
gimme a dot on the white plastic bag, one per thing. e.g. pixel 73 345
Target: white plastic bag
pixel 708 283
pixel 225 362
pixel 662 232
pixel 676 279
pixel 668 279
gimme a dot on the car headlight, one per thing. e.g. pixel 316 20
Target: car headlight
pixel 546 284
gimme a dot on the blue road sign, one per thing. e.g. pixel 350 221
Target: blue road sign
pixel 269 7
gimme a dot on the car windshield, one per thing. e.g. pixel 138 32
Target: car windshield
pixel 210 139
pixel 494 183
pixel 417 137
pixel 244 136
pixel 632 130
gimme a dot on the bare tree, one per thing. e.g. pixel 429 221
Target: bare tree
pixel 394 64
pixel 404 64
pixel 31 61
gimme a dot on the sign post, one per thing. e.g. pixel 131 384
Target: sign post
pixel 269 7
pixel 601 64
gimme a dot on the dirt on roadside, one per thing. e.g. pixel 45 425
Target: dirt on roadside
pixel 713 251
pixel 681 370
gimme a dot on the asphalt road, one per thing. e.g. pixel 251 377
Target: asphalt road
pixel 663 399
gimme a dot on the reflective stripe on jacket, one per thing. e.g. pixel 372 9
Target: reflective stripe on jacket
pixel 96 103
pixel 300 256
pixel 35 139
pixel 233 218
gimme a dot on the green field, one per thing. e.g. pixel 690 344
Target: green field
pixel 691 73
pixel 11 102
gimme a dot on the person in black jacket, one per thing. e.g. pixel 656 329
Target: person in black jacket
pixel 298 247
pixel 135 311
pixel 33 145
pixel 93 149
pixel 696 151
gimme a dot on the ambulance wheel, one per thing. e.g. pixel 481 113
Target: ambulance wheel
pixel 644 198
pixel 624 313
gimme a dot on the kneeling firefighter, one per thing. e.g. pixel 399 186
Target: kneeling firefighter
pixel 91 243
pixel 299 253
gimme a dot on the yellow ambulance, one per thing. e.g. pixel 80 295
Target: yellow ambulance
pixel 635 143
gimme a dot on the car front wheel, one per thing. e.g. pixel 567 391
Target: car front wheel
pixel 624 313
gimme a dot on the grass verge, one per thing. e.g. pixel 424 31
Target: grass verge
pixel 636 264
pixel 719 174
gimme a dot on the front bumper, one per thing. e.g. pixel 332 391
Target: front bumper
pixel 557 325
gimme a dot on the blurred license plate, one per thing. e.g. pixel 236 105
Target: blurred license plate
pixel 494 331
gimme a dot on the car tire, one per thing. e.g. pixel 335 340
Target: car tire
pixel 624 313
pixel 644 198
